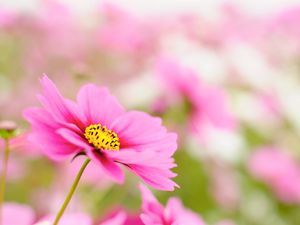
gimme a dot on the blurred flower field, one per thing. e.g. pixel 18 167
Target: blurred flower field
pixel 120 117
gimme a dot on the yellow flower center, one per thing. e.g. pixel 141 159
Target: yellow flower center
pixel 102 138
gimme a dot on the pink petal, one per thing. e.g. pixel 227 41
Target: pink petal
pixel 147 195
pixel 55 104
pixel 56 150
pixel 152 167
pixel 70 219
pixel 118 219
pixel 108 165
pixel 44 134
pixel 16 214
pixel 139 131
pixel 98 105
pixel 146 158
pixel 74 138
pixel 155 177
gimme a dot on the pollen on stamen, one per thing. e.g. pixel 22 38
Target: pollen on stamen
pixel 102 138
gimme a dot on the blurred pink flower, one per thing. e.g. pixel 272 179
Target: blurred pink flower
pixel 271 103
pixel 7 18
pixel 279 171
pixel 98 126
pixel 68 219
pixel 281 27
pixel 16 214
pixel 15 169
pixel 53 46
pixel 207 105
pixel 123 32
pixel 224 185
pixel 24 147
pixel 118 219
pixel 122 218
pixel 174 212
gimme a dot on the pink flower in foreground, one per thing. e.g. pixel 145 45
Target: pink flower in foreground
pixel 98 126
pixel 279 171
pixel 16 214
pixel 68 219
pixel 174 212
pixel 206 105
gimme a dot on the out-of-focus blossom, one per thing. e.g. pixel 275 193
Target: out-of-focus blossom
pixel 282 26
pixel 279 171
pixel 153 213
pixel 98 126
pixel 68 219
pixel 225 186
pixel 271 104
pixel 7 18
pixel 19 146
pixel 118 219
pixel 15 168
pixel 125 33
pixel 205 105
pixel 55 46
pixel 16 214
pixel 121 218
pixel 24 147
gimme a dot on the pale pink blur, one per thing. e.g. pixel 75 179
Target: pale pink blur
pixel 279 171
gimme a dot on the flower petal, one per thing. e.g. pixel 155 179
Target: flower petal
pixel 15 214
pixel 44 134
pixel 56 105
pixel 108 165
pixel 139 131
pixel 118 219
pixel 98 105
pixel 152 167
pixel 74 138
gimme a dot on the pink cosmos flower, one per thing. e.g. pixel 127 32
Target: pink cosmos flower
pixel 278 170
pixel 16 214
pixel 98 126
pixel 68 219
pixel 207 105
pixel 174 212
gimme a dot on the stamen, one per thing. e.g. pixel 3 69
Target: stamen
pixel 102 138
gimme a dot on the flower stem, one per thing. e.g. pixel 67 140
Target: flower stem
pixel 71 192
pixel 3 175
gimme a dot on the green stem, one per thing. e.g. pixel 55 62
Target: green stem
pixel 3 175
pixel 71 192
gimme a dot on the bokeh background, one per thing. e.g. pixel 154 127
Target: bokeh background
pixel 239 148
